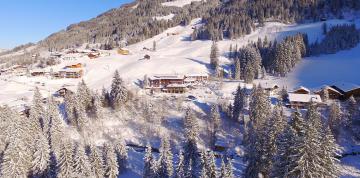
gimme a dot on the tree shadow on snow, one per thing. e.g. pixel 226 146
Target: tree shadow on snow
pixel 207 65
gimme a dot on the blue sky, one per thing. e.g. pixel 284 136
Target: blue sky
pixel 24 21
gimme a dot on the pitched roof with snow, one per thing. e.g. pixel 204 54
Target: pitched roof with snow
pixel 165 76
pixel 174 85
pixel 302 88
pixel 304 98
pixel 346 87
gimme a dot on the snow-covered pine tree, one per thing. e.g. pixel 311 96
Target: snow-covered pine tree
pixel 239 103
pixel 97 107
pixel 165 169
pixel 214 56
pixel 223 169
pixel 352 109
pixel 148 162
pixel 249 72
pixel 190 147
pixel 70 108
pixel 180 168
pixel 203 162
pixel 307 149
pixel 260 107
pixel 37 109
pixel 335 118
pixel 65 167
pixel 215 121
pixel 84 95
pixel 80 114
pixel 16 159
pixel 81 162
pixel 282 160
pixel 118 93
pixel 211 165
pixel 154 46
pixel 96 162
pixel 111 166
pixel 121 155
pixel 237 69
pixel 329 152
pixel 41 158
pixel 229 169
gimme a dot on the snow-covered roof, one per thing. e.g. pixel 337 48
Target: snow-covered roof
pixel 71 70
pixel 302 88
pixel 196 75
pixel 346 86
pixel 327 87
pixel 189 80
pixel 174 85
pixel 304 98
pixel 166 76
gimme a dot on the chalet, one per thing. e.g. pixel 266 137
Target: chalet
pixel 348 90
pixel 174 88
pixel 123 51
pixel 200 78
pixel 334 94
pixel 38 72
pixel 70 73
pixel 93 55
pixel 161 81
pixel 74 66
pixel 301 101
pixel 63 91
pixel 301 90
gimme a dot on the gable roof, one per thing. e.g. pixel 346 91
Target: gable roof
pixel 345 87
pixel 304 98
pixel 302 88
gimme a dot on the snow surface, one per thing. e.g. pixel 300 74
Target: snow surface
pixel 166 17
pixel 178 3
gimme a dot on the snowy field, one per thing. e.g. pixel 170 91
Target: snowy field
pixel 178 3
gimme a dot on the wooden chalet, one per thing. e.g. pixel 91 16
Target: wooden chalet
pixel 301 90
pixel 93 55
pixel 38 72
pixel 334 94
pixel 161 81
pixel 74 66
pixel 174 88
pixel 63 91
pixel 348 90
pixel 123 51
pixel 301 101
pixel 195 78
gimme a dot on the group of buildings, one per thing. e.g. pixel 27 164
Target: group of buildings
pixel 302 96
pixel 71 71
pixel 174 83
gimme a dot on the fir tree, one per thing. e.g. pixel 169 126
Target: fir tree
pixel 190 147
pixel 214 56
pixel 229 169
pixel 121 155
pixel 165 169
pixel 111 166
pixel 118 93
pixel 66 162
pixel 96 162
pixel 223 171
pixel 237 70
pixel 180 168
pixel 148 162
pixel 239 102
pixel 41 157
pixel 81 162
pixel 335 118
pixel 211 166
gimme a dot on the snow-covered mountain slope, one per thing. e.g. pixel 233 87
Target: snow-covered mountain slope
pixel 178 3
pixel 177 54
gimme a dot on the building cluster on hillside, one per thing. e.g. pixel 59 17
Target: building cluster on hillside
pixel 302 96
pixel 19 70
pixel 175 83
pixel 71 71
